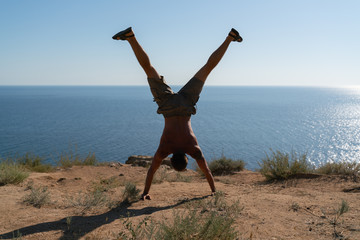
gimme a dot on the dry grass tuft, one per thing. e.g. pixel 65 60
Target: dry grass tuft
pixel 38 197
pixel 279 165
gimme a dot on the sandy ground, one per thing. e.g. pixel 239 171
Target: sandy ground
pixel 294 209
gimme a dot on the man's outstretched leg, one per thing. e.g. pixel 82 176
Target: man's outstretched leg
pixel 159 89
pixel 193 87
pixel 139 52
pixel 216 56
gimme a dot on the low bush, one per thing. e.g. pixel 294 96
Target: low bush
pixel 279 165
pixel 161 175
pixel 71 158
pixel 34 163
pixel 225 166
pixel 334 220
pixel 143 230
pixel 340 168
pixel 215 221
pixel 131 193
pixel 197 225
pixel 89 160
pixel 12 173
pixel 38 197
pixel 105 184
pixel 89 200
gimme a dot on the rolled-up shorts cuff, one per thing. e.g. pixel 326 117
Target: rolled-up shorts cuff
pixel 192 90
pixel 159 89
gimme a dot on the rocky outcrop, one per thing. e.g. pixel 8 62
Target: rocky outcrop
pixel 145 161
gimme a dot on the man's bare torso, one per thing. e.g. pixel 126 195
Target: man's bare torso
pixel 178 136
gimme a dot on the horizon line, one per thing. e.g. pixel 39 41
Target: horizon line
pixel 208 85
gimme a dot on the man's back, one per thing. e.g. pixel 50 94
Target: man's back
pixel 178 136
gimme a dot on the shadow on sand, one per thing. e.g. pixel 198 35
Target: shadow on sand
pixel 81 225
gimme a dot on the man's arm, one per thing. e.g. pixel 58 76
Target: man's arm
pixel 150 174
pixel 199 157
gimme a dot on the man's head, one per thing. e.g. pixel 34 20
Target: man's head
pixel 179 161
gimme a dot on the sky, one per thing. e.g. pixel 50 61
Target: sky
pixel 286 43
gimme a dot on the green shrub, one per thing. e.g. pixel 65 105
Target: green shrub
pixel 160 176
pixel 38 197
pixel 89 160
pixel 105 184
pixel 131 193
pixel 205 219
pixel 12 173
pixel 72 158
pixel 34 163
pixel 143 230
pixel 280 165
pixel 89 200
pixel 225 166
pixel 340 168
pixel 196 225
pixel 334 221
pixel 216 203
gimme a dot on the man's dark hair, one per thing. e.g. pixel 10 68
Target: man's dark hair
pixel 179 161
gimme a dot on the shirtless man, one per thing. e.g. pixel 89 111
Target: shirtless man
pixel 178 137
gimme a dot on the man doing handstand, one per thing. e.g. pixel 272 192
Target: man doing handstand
pixel 178 137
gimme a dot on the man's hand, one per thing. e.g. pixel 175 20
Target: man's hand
pixel 145 196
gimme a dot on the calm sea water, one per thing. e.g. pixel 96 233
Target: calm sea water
pixel 239 122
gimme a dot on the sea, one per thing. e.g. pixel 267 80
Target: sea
pixel 115 122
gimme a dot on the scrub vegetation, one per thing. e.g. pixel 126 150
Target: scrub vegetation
pixel 204 219
pixel 89 200
pixel 12 173
pixel 351 169
pixel 224 166
pixel 69 159
pixel 34 163
pixel 15 169
pixel 131 193
pixel 38 196
pixel 279 166
pixel 276 165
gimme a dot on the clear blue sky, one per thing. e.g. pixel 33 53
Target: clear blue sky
pixel 67 42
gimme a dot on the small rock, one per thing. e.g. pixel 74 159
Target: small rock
pixel 61 179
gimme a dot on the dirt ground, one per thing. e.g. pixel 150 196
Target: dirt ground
pixel 300 208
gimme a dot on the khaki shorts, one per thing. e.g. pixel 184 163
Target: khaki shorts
pixel 172 104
